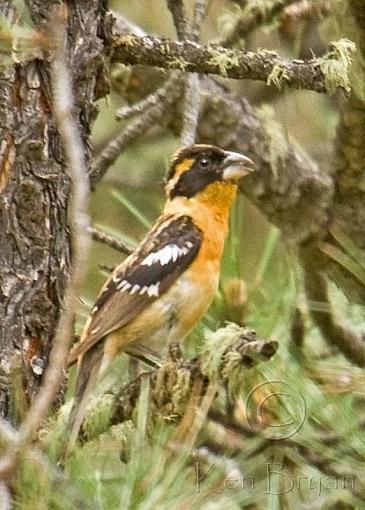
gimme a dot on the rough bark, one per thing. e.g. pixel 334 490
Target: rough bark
pixel 34 185
pixel 212 59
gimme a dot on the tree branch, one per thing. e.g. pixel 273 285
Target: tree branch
pixel 266 66
pixel 200 12
pixel 346 340
pixel 191 109
pixel 179 17
pixel 135 129
pixel 154 99
pixel 252 16
pixel 228 353
pixel 192 81
pixel 113 242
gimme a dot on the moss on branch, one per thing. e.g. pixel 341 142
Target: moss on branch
pixel 226 356
pixel 317 74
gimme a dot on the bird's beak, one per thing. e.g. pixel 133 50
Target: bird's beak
pixel 235 166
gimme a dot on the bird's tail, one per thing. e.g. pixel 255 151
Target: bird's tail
pixel 88 372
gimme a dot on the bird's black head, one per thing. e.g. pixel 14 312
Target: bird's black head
pixel 195 167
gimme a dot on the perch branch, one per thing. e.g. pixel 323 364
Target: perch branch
pixel 227 353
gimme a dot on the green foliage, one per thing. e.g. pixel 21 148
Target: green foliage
pixel 349 256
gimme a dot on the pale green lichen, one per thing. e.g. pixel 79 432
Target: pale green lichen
pixel 98 415
pixel 172 390
pixel 278 76
pixel 233 374
pixel 343 21
pixel 181 390
pixel 221 362
pixel 216 344
pixel 336 64
pixel 128 40
pixel 224 61
pixel 178 63
pixel 122 432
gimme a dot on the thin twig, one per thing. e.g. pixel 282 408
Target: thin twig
pixel 253 16
pixel 63 105
pixel 200 12
pixel 179 17
pixel 134 130
pixel 113 242
pixel 191 109
pixel 152 100
pixel 304 9
pixel 122 25
pixel 192 82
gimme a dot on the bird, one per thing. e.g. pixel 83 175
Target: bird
pixel 160 291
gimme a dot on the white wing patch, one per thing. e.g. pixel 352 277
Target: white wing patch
pixel 169 253
pixel 124 285
pixel 151 290
pixel 166 254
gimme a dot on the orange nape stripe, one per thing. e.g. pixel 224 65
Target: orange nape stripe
pixel 183 167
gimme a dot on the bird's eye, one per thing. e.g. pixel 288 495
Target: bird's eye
pixel 204 162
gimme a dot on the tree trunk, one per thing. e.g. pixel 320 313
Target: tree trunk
pixel 34 187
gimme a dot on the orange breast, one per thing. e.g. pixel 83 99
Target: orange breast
pixel 173 315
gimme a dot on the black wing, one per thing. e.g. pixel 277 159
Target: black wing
pixel 169 248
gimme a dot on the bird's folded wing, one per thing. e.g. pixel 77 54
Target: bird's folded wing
pixel 165 253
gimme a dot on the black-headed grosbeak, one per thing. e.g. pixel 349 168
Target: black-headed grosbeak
pixel 158 293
